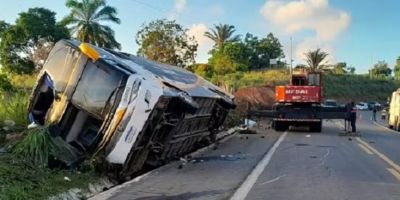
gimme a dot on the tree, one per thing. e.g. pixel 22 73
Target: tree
pixel 85 21
pixel 315 58
pixel 166 42
pixel 381 69
pixel 5 84
pixel 397 68
pixel 271 47
pixel 340 68
pixel 19 42
pixel 3 26
pixel 351 69
pixel 233 57
pixel 203 70
pixel 221 34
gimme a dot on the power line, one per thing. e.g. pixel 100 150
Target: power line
pixel 151 6
pixel 164 11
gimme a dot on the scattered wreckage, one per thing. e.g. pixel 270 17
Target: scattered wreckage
pixel 131 111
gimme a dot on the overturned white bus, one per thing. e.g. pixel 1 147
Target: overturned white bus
pixel 130 110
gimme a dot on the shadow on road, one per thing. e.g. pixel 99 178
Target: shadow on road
pixel 184 196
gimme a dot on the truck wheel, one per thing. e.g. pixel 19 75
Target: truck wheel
pixel 316 127
pixel 280 126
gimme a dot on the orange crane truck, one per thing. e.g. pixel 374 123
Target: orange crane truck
pixel 299 104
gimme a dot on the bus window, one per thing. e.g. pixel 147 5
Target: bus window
pixel 97 87
pixel 60 64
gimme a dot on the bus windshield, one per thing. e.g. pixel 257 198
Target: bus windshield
pixel 96 87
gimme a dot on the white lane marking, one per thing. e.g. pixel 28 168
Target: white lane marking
pixel 245 187
pixel 365 149
pixel 390 162
pixel 394 173
pixel 273 180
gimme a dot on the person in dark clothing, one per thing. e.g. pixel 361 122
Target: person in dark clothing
pixel 374 113
pixel 349 107
pixel 353 117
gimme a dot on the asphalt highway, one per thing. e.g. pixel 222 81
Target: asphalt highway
pixel 296 164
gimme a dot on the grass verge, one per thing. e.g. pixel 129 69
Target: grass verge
pixel 13 106
pixel 24 172
pixel 20 179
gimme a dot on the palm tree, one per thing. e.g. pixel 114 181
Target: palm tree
pixel 85 21
pixel 315 58
pixel 221 34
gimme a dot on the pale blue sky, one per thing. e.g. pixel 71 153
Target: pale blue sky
pixel 358 32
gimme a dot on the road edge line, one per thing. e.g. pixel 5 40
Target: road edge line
pixel 395 173
pixel 382 156
pixel 242 191
pixel 368 151
pixel 382 126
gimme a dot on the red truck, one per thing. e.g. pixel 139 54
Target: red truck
pixel 299 103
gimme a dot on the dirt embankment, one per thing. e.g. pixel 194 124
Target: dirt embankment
pixel 257 97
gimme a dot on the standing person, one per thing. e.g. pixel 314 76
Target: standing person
pixel 347 117
pixel 383 115
pixel 374 113
pixel 353 117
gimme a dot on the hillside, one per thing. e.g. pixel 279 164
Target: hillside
pixel 358 88
pixel 340 87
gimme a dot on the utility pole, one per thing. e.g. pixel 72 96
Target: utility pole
pixel 291 56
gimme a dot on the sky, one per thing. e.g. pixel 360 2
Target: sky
pixel 358 32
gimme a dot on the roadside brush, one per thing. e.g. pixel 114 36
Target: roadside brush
pixel 37 146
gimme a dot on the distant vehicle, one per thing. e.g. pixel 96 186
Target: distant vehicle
pixel 375 104
pixel 394 111
pixel 362 106
pixel 330 103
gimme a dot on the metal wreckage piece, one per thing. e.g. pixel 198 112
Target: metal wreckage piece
pixel 130 110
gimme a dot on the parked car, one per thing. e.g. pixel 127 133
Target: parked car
pixel 330 103
pixel 375 104
pixel 362 106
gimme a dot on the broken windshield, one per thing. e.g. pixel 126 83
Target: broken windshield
pixel 97 84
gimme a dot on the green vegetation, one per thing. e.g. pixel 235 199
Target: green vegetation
pixel 5 84
pixel 166 42
pixel 315 58
pixel 13 106
pixel 20 42
pixel 14 100
pixel 37 146
pixel 21 180
pixel 222 34
pixel 396 69
pixel 380 70
pixel 85 21
pixel 358 87
pixel 25 174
